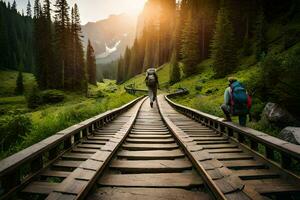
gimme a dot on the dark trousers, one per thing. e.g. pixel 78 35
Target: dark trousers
pixel 152 93
pixel 226 110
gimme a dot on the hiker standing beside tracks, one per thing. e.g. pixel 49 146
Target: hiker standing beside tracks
pixel 236 101
pixel 152 84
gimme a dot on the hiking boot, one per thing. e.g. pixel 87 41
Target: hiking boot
pixel 228 119
pixel 151 104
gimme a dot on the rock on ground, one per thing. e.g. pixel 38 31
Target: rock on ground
pixel 290 134
pixel 278 115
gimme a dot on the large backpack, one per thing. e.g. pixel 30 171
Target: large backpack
pixel 239 99
pixel 151 77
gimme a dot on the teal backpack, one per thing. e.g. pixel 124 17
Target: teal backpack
pixel 239 99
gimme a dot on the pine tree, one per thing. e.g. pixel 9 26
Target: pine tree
pixel 4 42
pixel 91 64
pixel 260 40
pixel 167 15
pixel 37 9
pixel 62 30
pixel 79 70
pixel 174 69
pixel 190 52
pixel 19 82
pixel 47 33
pixel 14 6
pixel 126 63
pixel 28 11
pixel 120 73
pixel 224 52
pixel 133 63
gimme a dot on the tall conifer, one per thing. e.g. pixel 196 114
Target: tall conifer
pixel 19 82
pixel 28 10
pixel 91 64
pixel 224 52
pixel 190 52
pixel 174 69
pixel 62 30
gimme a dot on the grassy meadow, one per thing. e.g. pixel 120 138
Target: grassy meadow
pixel 23 127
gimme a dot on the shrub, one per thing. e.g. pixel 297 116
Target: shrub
pixel 100 94
pixel 281 75
pixel 52 96
pixel 12 128
pixel 198 88
pixel 34 98
pixel 257 109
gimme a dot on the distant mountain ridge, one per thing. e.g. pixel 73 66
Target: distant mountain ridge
pixel 110 36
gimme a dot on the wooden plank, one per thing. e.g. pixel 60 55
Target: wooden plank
pixel 101 156
pixel 107 193
pixel 104 134
pixel 243 164
pixel 145 155
pixel 55 173
pixel 210 139
pixel 67 163
pixel 90 146
pixel 82 150
pixel 83 174
pixel 219 173
pixel 255 174
pixel 91 165
pixel 139 132
pixel 201 155
pixel 150 146
pixel 205 135
pixel 229 150
pixel 238 195
pixel 218 146
pixel 150 127
pixel 269 186
pixel 60 196
pixel 100 138
pixel 76 156
pixel 72 186
pixel 229 184
pixel 149 136
pixel 39 187
pixel 232 156
pixel 97 142
pixel 212 142
pixel 152 141
pixel 109 146
pixel 211 164
pixel 176 180
pixel 151 166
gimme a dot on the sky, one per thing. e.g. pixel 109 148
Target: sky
pixel 94 10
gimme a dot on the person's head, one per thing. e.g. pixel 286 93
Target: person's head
pixel 232 80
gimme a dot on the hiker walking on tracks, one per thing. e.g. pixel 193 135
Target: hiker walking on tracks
pixel 152 84
pixel 236 101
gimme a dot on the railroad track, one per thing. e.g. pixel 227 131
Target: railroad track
pixel 145 153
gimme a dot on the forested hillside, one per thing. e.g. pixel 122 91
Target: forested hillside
pixel 47 42
pixel 16 38
pixel 234 35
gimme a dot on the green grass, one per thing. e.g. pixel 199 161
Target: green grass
pixel 49 119
pixel 8 82
pixel 206 92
